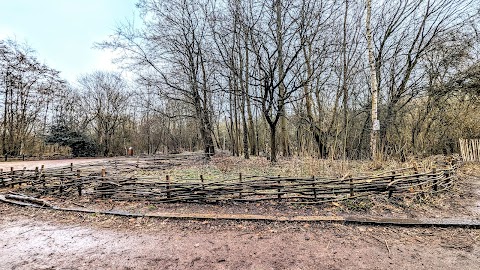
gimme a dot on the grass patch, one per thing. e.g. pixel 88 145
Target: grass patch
pixel 358 204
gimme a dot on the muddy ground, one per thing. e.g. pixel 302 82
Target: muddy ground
pixel 45 239
pixel 41 239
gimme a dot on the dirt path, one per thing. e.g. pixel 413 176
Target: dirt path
pixel 471 172
pixel 30 165
pixel 476 186
pixel 476 208
pixel 40 239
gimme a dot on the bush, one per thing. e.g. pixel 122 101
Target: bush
pixel 81 145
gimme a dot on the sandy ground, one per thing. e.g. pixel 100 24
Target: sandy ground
pixel 30 165
pixel 476 187
pixel 40 239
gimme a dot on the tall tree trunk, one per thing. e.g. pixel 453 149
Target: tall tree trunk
pixel 201 111
pixel 11 130
pixel 317 133
pixel 373 84
pixel 231 109
pixel 205 128
pixel 284 140
pixel 251 126
pixel 235 115
pixel 344 83
pixel 273 142
pixel 246 152
pixel 5 112
pixel 207 120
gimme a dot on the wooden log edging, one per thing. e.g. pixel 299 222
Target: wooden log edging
pixel 356 220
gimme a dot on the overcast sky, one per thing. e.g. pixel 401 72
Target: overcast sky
pixel 63 31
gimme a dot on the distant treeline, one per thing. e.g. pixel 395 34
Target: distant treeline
pixel 255 77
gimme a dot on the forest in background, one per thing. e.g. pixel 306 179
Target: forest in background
pixel 255 77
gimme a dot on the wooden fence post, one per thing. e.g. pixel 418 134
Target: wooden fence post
pixel 241 186
pixel 71 167
pixel 314 188
pixel 19 178
pixel 279 195
pixel 61 182
pixel 1 178
pixel 203 187
pixel 169 195
pixel 448 176
pixel 351 186
pixel 435 181
pixel 22 178
pixel 418 179
pixel 12 172
pixel 42 176
pixel 390 188
pixel 79 184
pixel 35 178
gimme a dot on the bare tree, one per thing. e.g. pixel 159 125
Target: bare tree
pixel 172 47
pixel 405 31
pixel 256 72
pixel 28 88
pixel 104 101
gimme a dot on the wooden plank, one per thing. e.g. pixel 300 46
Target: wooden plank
pixel 403 222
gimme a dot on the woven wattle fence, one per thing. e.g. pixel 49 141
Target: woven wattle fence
pixel 470 149
pixel 67 181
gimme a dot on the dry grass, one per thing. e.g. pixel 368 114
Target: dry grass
pixel 227 167
pixel 458 201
